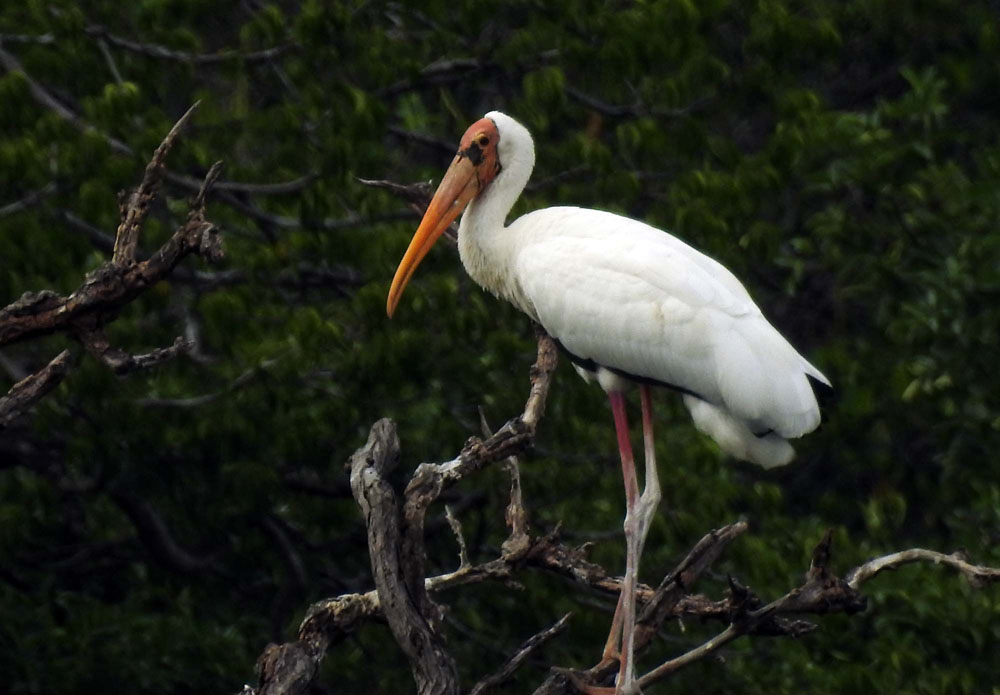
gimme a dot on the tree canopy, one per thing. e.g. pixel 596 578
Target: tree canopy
pixel 842 158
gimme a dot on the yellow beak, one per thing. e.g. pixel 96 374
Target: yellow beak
pixel 457 188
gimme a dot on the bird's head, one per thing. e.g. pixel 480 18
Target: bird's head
pixel 474 167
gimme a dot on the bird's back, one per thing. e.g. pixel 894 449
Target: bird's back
pixel 641 302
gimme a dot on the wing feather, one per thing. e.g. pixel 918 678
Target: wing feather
pixel 636 299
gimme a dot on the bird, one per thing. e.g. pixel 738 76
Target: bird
pixel 629 304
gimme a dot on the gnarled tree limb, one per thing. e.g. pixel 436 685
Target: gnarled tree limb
pixel 32 388
pixel 290 668
pixel 396 550
pixel 98 301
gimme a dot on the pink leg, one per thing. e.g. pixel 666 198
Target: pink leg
pixel 651 494
pixel 626 674
pixel 638 517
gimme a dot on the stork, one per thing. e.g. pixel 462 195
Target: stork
pixel 629 304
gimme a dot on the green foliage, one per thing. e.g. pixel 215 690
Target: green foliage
pixel 842 158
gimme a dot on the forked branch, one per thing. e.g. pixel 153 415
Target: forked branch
pixel 84 313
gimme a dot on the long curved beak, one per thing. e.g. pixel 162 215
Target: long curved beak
pixel 457 188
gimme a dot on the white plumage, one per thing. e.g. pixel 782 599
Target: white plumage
pixel 633 299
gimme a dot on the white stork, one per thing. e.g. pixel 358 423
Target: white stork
pixel 628 303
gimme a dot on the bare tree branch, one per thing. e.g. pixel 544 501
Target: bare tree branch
pixel 523 652
pixel 110 60
pixel 84 313
pixel 439 144
pixel 636 109
pixel 162 52
pixel 31 389
pixel 397 557
pixel 107 289
pixel 98 237
pixel 46 99
pixel 279 188
pixel 137 206
pixel 197 401
pixel 283 669
pixel 157 537
pixel 29 200
pixel 978 575
pixel 121 362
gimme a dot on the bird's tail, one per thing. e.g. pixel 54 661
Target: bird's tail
pixel 735 438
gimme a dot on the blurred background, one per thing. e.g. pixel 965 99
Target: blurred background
pixel 842 157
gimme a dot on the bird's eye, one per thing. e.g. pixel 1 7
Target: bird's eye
pixel 482 141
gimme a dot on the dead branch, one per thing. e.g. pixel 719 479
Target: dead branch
pixel 137 206
pixel 637 109
pixel 105 292
pixel 439 144
pixel 978 575
pixel 43 97
pixel 286 222
pixel 418 195
pixel 121 362
pixel 164 53
pixel 108 289
pixel 396 550
pixel 157 537
pixel 29 200
pixel 46 99
pixel 279 188
pixel 532 645
pixel 236 384
pixel 29 390
pixel 392 543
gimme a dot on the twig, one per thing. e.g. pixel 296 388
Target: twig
pixel 158 51
pixel 556 179
pixel 823 592
pixel 280 188
pixel 417 194
pixel 156 536
pixel 978 575
pixel 31 389
pixel 162 52
pixel 518 542
pixel 98 237
pixel 506 672
pixel 456 528
pixel 29 200
pixel 41 39
pixel 121 362
pixel 110 60
pixel 637 109
pixel 84 313
pixel 42 96
pixel 137 205
pixel 197 401
pixel 439 144
pixel 439 72
pixel 290 668
pixel 660 605
pixel 108 288
pixel 46 99
pixel 326 224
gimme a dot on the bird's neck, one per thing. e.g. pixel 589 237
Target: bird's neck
pixel 485 245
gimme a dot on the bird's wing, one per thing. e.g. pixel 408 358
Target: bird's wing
pixel 635 299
